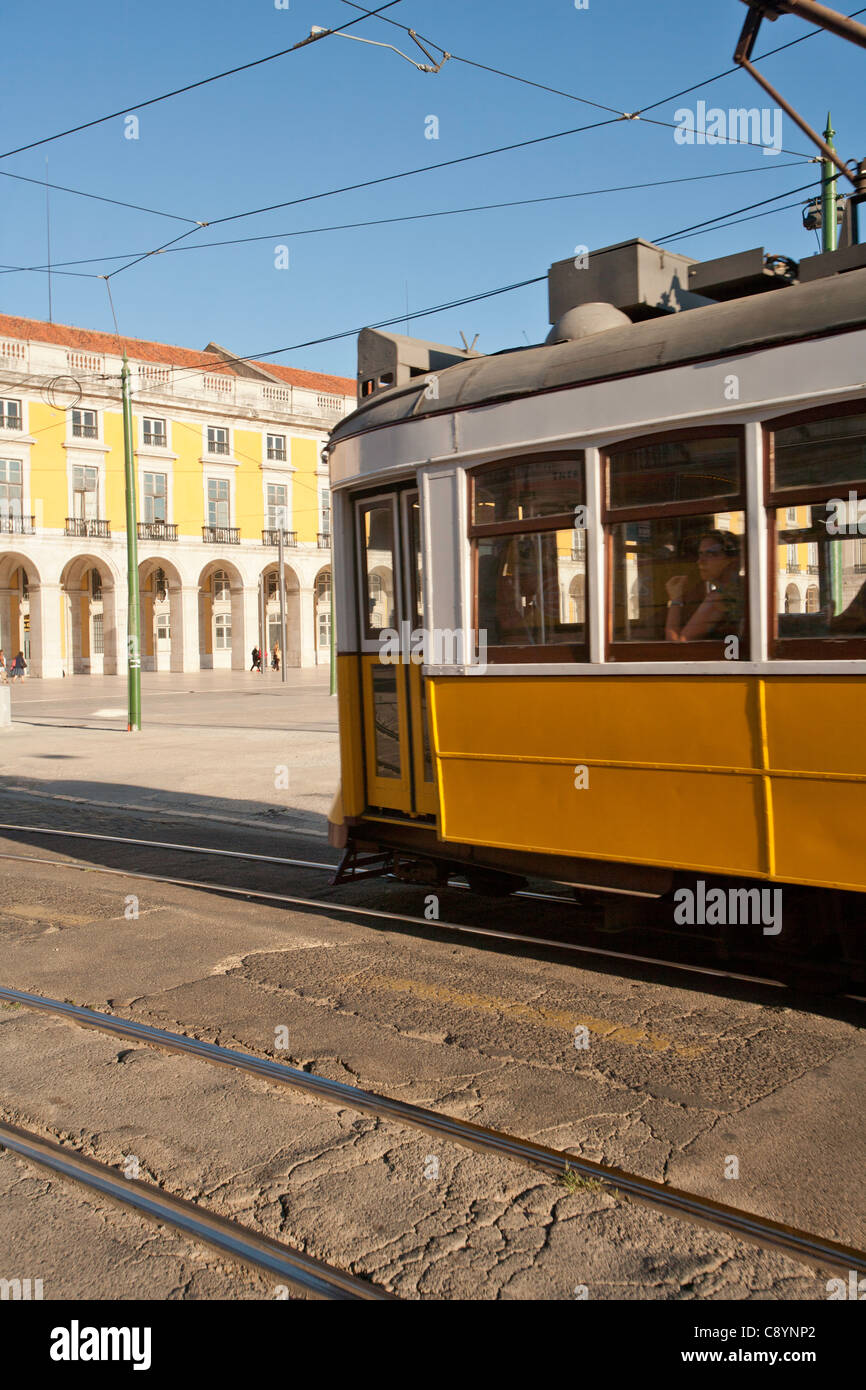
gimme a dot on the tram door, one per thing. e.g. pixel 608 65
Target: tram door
pixel 398 764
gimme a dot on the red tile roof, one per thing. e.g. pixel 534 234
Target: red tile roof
pixel 141 350
pixel 316 381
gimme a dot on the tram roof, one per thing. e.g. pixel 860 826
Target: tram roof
pixel 832 305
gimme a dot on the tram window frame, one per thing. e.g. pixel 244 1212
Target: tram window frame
pixel 662 650
pixel 564 653
pixel 828 648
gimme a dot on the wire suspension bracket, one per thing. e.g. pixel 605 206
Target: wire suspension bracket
pixel 825 18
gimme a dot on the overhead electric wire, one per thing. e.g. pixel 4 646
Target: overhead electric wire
pixel 98 197
pixel 405 173
pixel 488 294
pixel 193 368
pixel 372 183
pixel 202 82
pixel 701 230
pixel 572 96
pixel 732 212
pixel 413 217
pixel 408 173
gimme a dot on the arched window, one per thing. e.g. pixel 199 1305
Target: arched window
pixel 323 587
pixel 95 585
pixel 221 585
pixel 793 602
pixel 576 597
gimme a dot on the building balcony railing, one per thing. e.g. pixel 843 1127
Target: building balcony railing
pixel 158 439
pixel 18 525
pixel 87 526
pixel 85 432
pixel 272 537
pixel 221 535
pixel 813 569
pixel 10 422
pixel 157 531
pixel 324 540
pixel 792 568
pixel 217 446
pixel 277 455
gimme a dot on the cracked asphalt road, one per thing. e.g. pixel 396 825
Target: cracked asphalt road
pixel 677 1079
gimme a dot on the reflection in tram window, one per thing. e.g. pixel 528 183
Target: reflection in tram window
pixel 810 452
pixel 674 471
pixel 416 568
pixel 818 521
pixel 532 589
pixel 528 490
pixel 675 518
pixel 529 541
pixel 821 576
pixel 377 536
pixel 679 579
pixel 386 721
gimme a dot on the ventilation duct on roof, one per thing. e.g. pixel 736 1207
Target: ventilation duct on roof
pixel 641 280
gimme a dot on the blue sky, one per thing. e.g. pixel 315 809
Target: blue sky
pixel 337 112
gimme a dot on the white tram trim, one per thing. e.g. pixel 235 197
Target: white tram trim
pixel 578 669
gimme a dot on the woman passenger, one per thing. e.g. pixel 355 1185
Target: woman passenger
pixel 720 613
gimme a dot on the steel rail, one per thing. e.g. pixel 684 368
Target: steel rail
pixel 167 844
pixel 379 914
pixel 252 1248
pixel 268 858
pixel 760 1230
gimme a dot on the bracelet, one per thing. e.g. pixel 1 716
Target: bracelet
pixel 676 603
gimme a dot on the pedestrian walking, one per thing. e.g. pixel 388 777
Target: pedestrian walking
pixel 257 660
pixel 275 657
pixel 19 666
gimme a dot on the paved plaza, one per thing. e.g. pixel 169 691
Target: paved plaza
pixel 216 743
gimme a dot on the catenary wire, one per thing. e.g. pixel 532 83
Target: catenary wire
pixel 411 217
pixel 191 86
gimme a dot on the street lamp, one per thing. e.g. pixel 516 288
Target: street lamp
pixel 317 32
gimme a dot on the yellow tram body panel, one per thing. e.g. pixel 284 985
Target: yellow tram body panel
pixel 762 777
pixel 353 797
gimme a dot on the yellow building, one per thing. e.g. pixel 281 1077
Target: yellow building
pixel 227 454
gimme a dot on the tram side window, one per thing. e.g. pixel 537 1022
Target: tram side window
pixel 675 522
pixel 818 534
pixel 377 559
pixel 529 547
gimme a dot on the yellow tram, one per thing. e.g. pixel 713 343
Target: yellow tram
pixel 601 603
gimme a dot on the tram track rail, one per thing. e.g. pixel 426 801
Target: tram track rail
pixel 329 905
pixel 814 1250
pixel 360 911
pixel 252 1248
